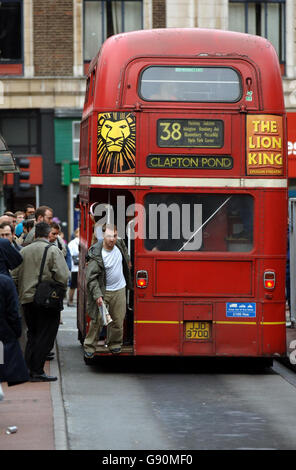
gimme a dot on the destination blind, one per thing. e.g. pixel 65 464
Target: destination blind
pixel 190 162
pixel 193 133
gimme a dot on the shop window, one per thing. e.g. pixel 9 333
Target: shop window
pixel 21 132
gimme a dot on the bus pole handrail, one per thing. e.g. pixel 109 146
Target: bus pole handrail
pixel 199 228
pixel 292 245
pixel 129 231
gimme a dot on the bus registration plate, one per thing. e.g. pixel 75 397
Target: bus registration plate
pixel 197 330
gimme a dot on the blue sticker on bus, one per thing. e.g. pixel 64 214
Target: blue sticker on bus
pixel 241 309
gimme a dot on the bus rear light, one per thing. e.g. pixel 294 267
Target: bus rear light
pixel 269 280
pixel 142 279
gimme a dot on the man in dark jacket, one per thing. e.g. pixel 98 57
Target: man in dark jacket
pixel 107 277
pixel 12 364
pixel 42 322
pixel 10 258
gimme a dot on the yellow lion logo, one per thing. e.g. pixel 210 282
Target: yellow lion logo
pixel 116 143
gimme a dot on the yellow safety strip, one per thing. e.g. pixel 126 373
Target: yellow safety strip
pixel 235 322
pixel 264 323
pixel 163 322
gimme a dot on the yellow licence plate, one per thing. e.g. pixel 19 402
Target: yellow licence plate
pixel 197 330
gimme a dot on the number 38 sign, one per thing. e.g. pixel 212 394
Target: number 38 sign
pixel 194 133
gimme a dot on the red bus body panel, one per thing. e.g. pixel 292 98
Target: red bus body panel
pixel 194 286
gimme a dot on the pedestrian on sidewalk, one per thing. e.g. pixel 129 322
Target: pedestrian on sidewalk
pixel 73 246
pixel 28 224
pixel 29 213
pixel 10 258
pixel 55 236
pixel 42 214
pixel 56 239
pixel 42 322
pixel 13 369
pixel 7 232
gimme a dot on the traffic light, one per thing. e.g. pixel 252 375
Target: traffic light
pixel 21 178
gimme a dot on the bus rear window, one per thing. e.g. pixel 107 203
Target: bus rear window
pixel 200 84
pixel 199 222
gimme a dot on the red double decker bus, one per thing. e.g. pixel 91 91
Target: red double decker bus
pixel 183 144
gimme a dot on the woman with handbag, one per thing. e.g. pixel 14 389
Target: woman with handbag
pixel 73 246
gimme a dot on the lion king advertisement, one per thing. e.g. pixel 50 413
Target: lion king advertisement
pixel 264 145
pixel 116 147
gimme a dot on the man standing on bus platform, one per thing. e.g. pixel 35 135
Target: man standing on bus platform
pixel 107 277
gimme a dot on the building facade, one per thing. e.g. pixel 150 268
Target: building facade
pixel 45 49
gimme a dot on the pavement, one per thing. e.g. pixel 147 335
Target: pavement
pixel 37 409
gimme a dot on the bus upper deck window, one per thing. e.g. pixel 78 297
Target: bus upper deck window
pixel 199 84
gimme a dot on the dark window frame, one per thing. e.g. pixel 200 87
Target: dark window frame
pixel 20 59
pixel 105 32
pixel 282 22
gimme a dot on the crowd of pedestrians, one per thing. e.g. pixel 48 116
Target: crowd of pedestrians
pixel 24 235
pixel 33 252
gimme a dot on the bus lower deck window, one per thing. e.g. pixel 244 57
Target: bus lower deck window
pixel 199 222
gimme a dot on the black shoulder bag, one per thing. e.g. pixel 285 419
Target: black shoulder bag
pixel 49 294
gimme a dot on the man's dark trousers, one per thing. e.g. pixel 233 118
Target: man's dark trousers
pixel 42 326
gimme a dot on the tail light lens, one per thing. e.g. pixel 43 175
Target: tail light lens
pixel 269 280
pixel 142 279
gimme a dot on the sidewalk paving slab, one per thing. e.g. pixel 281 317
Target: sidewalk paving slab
pixel 29 407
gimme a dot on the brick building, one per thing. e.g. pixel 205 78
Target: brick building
pixel 45 48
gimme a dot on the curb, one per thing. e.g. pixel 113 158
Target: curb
pixel 59 417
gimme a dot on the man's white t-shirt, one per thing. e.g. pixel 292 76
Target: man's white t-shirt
pixel 114 271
